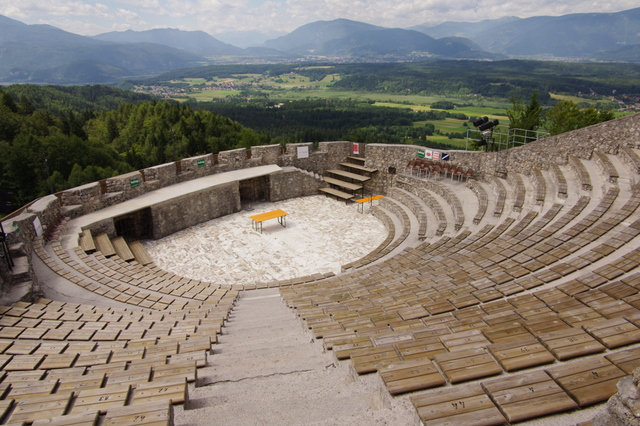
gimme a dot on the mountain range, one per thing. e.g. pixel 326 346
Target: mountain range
pixel 45 54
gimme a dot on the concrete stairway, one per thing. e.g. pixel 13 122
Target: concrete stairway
pixel 268 370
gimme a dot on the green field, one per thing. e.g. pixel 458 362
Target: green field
pixel 293 86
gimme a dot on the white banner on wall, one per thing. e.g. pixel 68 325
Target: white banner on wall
pixel 303 152
pixel 38 226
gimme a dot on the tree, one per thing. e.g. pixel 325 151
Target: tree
pixel 566 116
pixel 525 117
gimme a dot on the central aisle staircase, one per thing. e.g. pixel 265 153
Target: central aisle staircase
pixel 266 369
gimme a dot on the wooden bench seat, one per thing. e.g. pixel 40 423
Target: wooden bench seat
pixel 160 412
pixel 459 405
pixel 104 245
pixel 139 253
pixel 358 167
pixel 173 390
pixel 86 241
pixel 570 343
pixel 353 176
pixel 518 353
pixel 102 399
pixel 468 364
pixel 627 360
pixel 614 333
pixel 40 407
pixel 85 419
pixel 122 249
pixel 410 375
pixel 342 184
pixel 588 381
pixel 337 193
pixel 525 396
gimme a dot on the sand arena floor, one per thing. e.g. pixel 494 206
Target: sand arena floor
pixel 322 234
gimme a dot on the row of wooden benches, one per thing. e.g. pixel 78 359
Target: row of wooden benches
pixel 63 363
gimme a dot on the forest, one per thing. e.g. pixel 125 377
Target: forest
pixel 315 120
pixel 42 151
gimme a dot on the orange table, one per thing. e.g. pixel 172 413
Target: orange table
pixel 275 214
pixel 361 202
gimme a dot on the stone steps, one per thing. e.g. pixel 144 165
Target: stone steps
pixel 267 369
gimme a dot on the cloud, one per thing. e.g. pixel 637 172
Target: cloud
pixel 215 16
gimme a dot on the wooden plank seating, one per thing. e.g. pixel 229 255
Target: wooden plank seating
pixel 122 249
pixel 156 413
pixel 104 246
pixel 172 389
pixel 40 407
pixel 570 343
pixel 369 360
pixel 139 253
pixel 410 375
pixel 337 193
pixel 519 353
pixel 101 399
pixel 86 419
pixel 342 184
pixel 349 175
pixel 614 333
pixel 627 360
pixel 467 364
pixel 588 381
pixel 86 241
pixel 525 396
pixel 457 406
pixel 358 167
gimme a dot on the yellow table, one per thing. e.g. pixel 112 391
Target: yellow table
pixel 275 214
pixel 361 202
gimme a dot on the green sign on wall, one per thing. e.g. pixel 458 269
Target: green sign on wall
pixel 135 182
pixel 420 153
pixel 201 163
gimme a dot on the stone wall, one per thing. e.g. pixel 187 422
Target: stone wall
pixel 164 174
pixel 265 155
pixel 233 160
pixel 191 209
pixel 87 196
pixel 293 183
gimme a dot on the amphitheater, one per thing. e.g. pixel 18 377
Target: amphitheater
pixel 505 289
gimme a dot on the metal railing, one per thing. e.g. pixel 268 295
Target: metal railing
pixel 500 138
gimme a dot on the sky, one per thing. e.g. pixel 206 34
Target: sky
pixel 89 17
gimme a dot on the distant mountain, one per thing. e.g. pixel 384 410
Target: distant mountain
pixel 624 54
pixel 462 29
pixel 311 37
pixel 42 53
pixel 579 35
pixel 357 40
pixel 246 39
pixel 394 42
pixel 197 42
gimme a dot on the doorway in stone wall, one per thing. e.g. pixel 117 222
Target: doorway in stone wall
pixel 254 191
pixel 137 225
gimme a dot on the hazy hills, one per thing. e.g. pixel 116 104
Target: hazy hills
pixel 42 53
pixel 592 36
pixel 351 39
pixel 45 54
pixel 197 42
